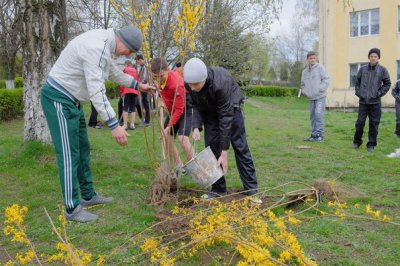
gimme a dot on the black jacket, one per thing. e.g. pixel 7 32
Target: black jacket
pixel 215 103
pixel 372 83
pixel 396 91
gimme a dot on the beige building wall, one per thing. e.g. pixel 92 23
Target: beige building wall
pixel 337 50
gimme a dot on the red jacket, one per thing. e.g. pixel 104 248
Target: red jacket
pixel 131 71
pixel 174 84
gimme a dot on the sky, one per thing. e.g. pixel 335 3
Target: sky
pixel 284 19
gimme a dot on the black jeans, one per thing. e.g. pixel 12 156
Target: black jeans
pixel 373 111
pixel 93 116
pixel 146 106
pixel 244 160
pixel 397 132
pixel 120 107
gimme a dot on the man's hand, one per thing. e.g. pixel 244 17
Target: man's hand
pixel 120 135
pixel 223 161
pixel 196 134
pixel 145 87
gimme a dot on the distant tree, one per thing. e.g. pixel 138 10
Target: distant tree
pixel 272 74
pixel 10 38
pixel 284 71
pixel 222 40
pixel 259 58
pixel 295 72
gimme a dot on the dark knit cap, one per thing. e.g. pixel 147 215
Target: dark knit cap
pixel 139 57
pixel 375 51
pixel 131 37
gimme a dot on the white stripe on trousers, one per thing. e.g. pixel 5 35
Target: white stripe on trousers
pixel 62 121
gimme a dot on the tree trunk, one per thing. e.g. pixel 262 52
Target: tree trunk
pixel 45 37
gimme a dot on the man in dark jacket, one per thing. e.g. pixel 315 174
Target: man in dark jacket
pixel 396 95
pixel 373 82
pixel 216 104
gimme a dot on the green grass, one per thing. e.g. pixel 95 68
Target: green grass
pixel 28 176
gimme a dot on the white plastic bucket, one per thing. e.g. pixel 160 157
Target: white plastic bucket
pixel 204 168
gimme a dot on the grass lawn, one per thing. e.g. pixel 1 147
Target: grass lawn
pixel 275 127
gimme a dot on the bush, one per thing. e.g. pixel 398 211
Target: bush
pixel 11 104
pixel 18 82
pixel 112 89
pixel 2 84
pixel 270 91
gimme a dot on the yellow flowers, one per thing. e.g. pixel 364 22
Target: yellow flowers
pixel 376 214
pixel 150 244
pixel 188 22
pixel 15 223
pixel 25 258
pixel 14 226
pixel 246 228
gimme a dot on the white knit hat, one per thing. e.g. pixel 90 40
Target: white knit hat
pixel 195 71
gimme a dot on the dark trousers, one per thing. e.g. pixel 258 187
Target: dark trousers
pixel 373 111
pixel 244 160
pixel 146 106
pixel 397 132
pixel 120 107
pixel 93 116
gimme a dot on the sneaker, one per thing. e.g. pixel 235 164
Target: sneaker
pixel 255 200
pixel 211 195
pixel 132 127
pixel 96 200
pixel 309 138
pixel 371 149
pixel 146 124
pixel 317 139
pixel 80 215
pixel 98 127
pixel 355 146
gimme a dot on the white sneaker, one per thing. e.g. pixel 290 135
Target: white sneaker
pixel 210 195
pixel 255 200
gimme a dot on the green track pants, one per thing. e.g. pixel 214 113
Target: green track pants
pixel 69 134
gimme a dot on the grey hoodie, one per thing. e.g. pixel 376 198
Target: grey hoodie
pixel 314 81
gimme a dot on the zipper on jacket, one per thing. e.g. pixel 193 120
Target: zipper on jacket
pixel 369 83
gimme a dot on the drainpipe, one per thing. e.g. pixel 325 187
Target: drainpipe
pixel 323 11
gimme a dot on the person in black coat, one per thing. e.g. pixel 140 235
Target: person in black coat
pixel 396 95
pixel 216 99
pixel 372 83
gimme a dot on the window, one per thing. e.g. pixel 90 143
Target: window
pixel 353 72
pixel 365 23
pixel 398 18
pixel 398 69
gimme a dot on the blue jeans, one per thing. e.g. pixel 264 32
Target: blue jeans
pixel 317 113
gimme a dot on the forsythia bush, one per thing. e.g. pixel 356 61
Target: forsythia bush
pixel 11 104
pixel 270 91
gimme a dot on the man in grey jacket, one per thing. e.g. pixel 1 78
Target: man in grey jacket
pixel 79 75
pixel 314 84
pixel 372 82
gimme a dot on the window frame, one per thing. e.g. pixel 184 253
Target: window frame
pixel 359 65
pixel 398 70
pixel 357 15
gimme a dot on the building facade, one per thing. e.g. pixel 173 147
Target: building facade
pixel 347 33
